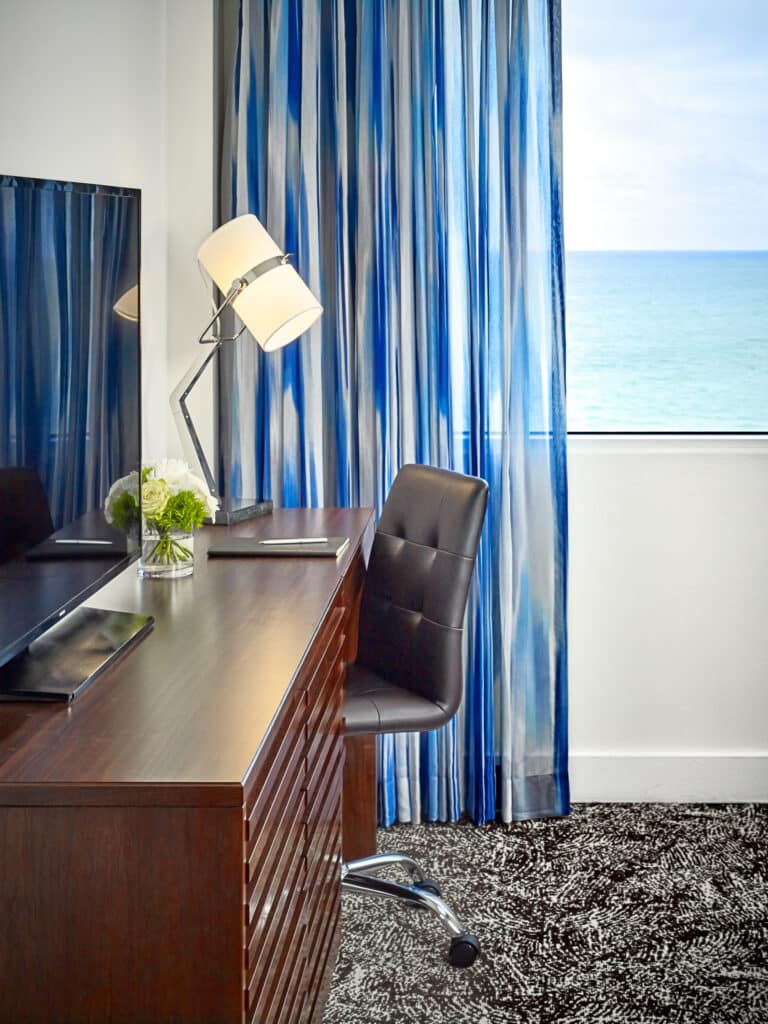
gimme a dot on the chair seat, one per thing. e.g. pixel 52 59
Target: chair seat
pixel 373 705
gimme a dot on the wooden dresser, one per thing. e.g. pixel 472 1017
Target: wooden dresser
pixel 170 843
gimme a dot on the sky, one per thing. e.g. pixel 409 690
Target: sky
pixel 665 124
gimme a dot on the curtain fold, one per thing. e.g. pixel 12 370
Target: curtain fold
pixel 409 155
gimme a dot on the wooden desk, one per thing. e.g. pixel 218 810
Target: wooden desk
pixel 170 842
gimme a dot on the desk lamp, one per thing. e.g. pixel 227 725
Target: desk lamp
pixel 273 304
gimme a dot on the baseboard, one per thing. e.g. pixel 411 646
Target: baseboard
pixel 688 778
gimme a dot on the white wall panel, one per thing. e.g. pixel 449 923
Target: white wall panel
pixel 668 614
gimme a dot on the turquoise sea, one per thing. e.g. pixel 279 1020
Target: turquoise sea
pixel 667 341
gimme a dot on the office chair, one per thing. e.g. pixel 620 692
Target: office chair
pixel 408 673
pixel 25 518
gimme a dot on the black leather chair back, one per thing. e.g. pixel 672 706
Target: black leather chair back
pixel 416 587
pixel 25 518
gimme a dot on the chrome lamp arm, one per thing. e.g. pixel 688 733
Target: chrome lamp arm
pixel 182 415
pixel 181 392
pixel 235 288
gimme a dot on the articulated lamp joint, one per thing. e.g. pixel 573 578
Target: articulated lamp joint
pixel 239 285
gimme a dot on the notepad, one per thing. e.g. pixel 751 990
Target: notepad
pixel 304 547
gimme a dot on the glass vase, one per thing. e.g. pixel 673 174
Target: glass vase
pixel 166 555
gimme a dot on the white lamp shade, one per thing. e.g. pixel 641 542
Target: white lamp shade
pixel 127 306
pixel 278 306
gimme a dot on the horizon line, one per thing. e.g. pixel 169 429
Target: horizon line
pixel 677 251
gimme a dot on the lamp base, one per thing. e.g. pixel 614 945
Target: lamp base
pixel 237 510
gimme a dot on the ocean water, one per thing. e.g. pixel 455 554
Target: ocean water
pixel 663 341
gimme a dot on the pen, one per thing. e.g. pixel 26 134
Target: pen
pixel 63 540
pixel 296 540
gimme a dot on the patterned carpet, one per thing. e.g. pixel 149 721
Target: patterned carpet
pixel 628 914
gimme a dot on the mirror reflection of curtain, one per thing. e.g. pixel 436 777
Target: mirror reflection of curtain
pixel 67 380
pixel 409 155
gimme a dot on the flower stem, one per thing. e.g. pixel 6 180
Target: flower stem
pixel 168 551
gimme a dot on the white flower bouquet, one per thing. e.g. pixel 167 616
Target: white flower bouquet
pixel 174 502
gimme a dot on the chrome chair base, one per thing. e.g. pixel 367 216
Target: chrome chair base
pixel 356 876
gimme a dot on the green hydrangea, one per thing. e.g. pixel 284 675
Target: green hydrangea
pixel 184 511
pixel 125 512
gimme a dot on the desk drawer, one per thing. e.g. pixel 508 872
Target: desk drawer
pixel 277 975
pixel 326 687
pixel 349 592
pixel 285 780
pixel 324 940
pixel 268 935
pixel 292 809
pixel 267 862
pixel 348 596
pixel 285 735
pixel 324 883
pixel 326 640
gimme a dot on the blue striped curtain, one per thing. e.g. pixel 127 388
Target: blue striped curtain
pixel 409 155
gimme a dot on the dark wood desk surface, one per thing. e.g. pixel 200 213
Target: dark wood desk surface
pixel 185 709
pixel 170 843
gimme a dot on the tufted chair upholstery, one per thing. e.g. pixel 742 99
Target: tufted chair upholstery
pixel 408 673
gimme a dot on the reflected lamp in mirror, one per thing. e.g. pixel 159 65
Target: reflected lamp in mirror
pixel 127 306
pixel 273 304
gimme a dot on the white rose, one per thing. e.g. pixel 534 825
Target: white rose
pixel 128 483
pixel 154 498
pixel 211 503
pixel 180 477
pixel 175 472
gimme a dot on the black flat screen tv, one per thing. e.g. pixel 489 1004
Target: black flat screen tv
pixel 70 424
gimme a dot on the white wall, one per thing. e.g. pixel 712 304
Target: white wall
pixel 114 92
pixel 668 618
pixel 190 184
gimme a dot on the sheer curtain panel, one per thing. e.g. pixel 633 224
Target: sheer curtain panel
pixel 409 155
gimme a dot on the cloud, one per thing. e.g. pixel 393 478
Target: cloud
pixel 665 144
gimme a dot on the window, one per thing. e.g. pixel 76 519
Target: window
pixel 666 215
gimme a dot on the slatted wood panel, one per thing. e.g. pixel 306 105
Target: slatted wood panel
pixel 293 839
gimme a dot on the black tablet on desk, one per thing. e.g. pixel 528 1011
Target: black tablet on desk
pixel 279 547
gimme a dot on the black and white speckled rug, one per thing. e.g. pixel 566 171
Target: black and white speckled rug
pixel 628 914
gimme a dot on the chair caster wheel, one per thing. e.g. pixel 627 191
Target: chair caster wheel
pixel 464 950
pixel 429 886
